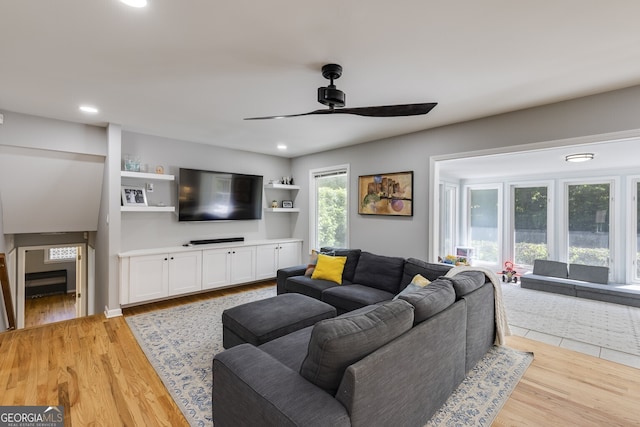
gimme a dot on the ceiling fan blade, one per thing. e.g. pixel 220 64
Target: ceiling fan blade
pixel 324 111
pixel 389 110
pixel 379 111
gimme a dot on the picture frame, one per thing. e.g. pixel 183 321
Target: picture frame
pixel 287 203
pixel 389 194
pixel 133 196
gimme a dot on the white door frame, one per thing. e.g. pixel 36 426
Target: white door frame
pixel 81 282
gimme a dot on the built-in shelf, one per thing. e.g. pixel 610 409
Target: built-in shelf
pixel 147 208
pixel 281 210
pixel 146 175
pixel 281 187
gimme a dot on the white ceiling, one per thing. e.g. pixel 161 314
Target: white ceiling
pixel 193 69
pixel 549 162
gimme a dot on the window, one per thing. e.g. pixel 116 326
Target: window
pixel 588 216
pixel 330 208
pixel 61 254
pixel 530 224
pixel 448 218
pixel 637 230
pixel 484 224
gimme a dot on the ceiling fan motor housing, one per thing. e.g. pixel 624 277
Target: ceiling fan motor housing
pixel 331 96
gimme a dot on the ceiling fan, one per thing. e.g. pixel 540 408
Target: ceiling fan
pixel 333 97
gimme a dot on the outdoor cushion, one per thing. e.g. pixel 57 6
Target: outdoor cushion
pixel 337 343
pixel 589 273
pixel 545 267
pixel 430 300
pixel 379 271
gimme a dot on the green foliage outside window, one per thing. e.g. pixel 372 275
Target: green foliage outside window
pixel 332 212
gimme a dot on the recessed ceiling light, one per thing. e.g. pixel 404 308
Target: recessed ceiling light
pixel 580 157
pixel 282 147
pixel 135 3
pixel 88 109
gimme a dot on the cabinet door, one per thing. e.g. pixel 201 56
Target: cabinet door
pixel 148 277
pixel 216 270
pixel 185 272
pixel 243 264
pixel 289 254
pixel 266 261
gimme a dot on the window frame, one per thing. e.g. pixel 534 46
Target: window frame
pixel 614 217
pixel 509 203
pixel 500 220
pixel 313 205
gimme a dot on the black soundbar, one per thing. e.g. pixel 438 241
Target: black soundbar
pixel 224 240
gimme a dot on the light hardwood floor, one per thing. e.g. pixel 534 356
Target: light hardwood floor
pixel 95 368
pixel 49 309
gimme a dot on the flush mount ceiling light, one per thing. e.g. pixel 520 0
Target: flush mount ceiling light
pixel 580 157
pixel 135 3
pixel 282 147
pixel 88 109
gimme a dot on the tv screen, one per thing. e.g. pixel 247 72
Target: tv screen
pixel 218 196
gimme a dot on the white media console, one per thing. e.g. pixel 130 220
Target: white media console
pixel 155 274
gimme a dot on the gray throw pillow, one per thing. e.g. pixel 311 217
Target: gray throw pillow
pixel 467 282
pixel 339 342
pixel 430 300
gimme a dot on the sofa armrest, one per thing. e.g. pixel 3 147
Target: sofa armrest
pixel 284 273
pixel 250 387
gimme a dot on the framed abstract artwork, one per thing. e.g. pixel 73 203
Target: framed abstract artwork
pixel 386 194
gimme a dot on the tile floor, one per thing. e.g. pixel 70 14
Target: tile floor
pixel 593 350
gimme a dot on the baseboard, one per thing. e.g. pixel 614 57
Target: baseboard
pixel 112 312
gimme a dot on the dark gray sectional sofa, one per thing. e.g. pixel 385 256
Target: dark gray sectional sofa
pixel 584 281
pixel 367 279
pixel 387 362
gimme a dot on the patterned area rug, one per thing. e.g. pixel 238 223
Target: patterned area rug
pixel 180 343
pixel 603 324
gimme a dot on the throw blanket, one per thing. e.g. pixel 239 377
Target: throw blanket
pixel 502 327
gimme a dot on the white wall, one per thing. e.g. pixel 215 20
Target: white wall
pixel 148 230
pixel 598 114
pixel 25 133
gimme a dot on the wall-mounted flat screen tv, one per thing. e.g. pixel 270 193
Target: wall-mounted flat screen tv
pixel 218 196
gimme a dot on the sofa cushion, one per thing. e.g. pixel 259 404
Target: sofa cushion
pixel 351 297
pixel 430 300
pixel 329 268
pixel 337 343
pixel 429 270
pixel 379 271
pixel 418 282
pixel 589 273
pixel 353 255
pixel 545 267
pixel 466 282
pixel 308 286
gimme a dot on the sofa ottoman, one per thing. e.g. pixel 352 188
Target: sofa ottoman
pixel 261 321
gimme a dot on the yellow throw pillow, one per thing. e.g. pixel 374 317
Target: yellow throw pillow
pixel 329 268
pixel 420 281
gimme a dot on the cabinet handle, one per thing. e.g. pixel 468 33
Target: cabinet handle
pixel 171 257
pixel 166 259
